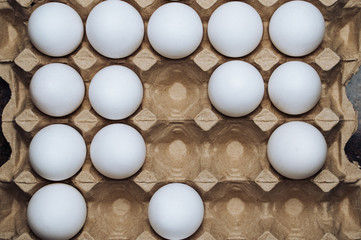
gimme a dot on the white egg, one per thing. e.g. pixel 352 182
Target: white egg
pixel 118 151
pixel 297 150
pixel 57 211
pixel 57 89
pixel 175 30
pixel 115 92
pixel 175 211
pixel 297 28
pixel 235 29
pixel 57 152
pixel 294 87
pixel 236 88
pixel 55 29
pixel 115 28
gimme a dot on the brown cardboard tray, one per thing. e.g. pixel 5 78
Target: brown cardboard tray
pixel 188 141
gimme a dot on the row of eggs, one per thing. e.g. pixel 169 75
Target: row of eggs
pixel 59 211
pixel 118 151
pixel 235 88
pixel 295 149
pixel 115 29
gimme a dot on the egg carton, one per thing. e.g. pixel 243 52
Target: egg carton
pixel 187 140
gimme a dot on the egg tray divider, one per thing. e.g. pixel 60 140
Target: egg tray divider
pixel 188 141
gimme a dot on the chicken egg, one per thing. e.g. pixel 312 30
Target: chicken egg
pixel 297 150
pixel 294 87
pixel 55 29
pixel 235 29
pixel 57 211
pixel 175 211
pixel 57 152
pixel 118 151
pixel 115 29
pixel 175 30
pixel 57 89
pixel 297 28
pixel 236 88
pixel 115 92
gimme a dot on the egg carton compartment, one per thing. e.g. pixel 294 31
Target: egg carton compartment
pixel 187 139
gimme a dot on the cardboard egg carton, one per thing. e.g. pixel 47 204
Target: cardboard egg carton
pixel 188 141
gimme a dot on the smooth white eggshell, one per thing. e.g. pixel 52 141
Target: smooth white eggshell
pixel 115 28
pixel 57 152
pixel 175 211
pixel 294 87
pixel 57 211
pixel 55 29
pixel 297 150
pixel 175 30
pixel 235 29
pixel 297 28
pixel 236 88
pixel 115 92
pixel 57 89
pixel 118 151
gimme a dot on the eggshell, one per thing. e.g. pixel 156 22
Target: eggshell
pixel 175 211
pixel 55 29
pixel 235 29
pixel 57 89
pixel 57 211
pixel 297 150
pixel 118 151
pixel 236 88
pixel 297 28
pixel 115 28
pixel 294 87
pixel 115 92
pixel 175 30
pixel 57 152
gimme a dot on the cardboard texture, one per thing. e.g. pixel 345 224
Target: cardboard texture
pixel 188 141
